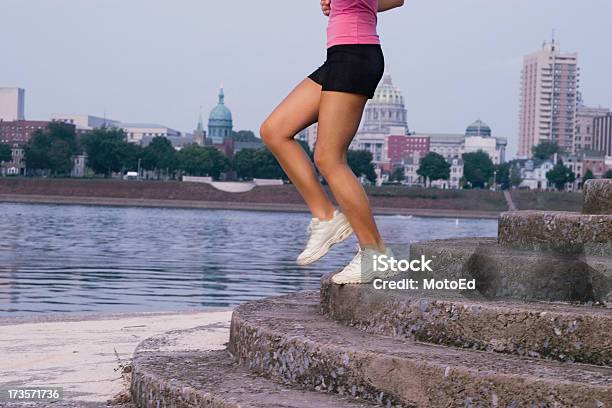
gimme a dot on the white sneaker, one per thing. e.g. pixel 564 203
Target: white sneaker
pixel 361 268
pixel 323 235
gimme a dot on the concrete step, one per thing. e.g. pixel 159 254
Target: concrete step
pixel 597 197
pixel 506 273
pixel 164 375
pixel 65 404
pixel 288 339
pixel 557 231
pixel 557 331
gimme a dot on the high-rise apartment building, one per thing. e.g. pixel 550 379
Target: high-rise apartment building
pixel 549 96
pixel 12 104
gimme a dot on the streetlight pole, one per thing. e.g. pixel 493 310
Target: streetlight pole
pixel 494 180
pixel 139 169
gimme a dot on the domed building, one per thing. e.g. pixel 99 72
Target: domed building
pixel 478 128
pixel 220 124
pixel 478 137
pixel 384 115
pixel 386 109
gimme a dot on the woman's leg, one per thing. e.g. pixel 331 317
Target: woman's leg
pixel 339 117
pixel 299 110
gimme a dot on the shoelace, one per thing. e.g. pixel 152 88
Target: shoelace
pixel 314 223
pixel 314 228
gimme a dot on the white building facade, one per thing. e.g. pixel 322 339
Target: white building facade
pixel 12 104
pixel 86 122
pixel 478 137
pixel 533 173
pixel 412 178
pixel 140 133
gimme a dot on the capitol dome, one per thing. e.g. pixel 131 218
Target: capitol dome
pixel 388 93
pixel 220 122
pixel 478 128
pixel 386 109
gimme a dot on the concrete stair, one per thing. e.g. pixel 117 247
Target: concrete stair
pixel 289 340
pixel 509 273
pixel 284 352
pixel 179 377
pixel 564 232
pixel 597 197
pixel 558 331
pixel 584 234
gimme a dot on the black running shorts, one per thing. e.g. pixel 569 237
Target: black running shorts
pixel 352 68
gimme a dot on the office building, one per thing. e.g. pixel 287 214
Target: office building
pixel 602 134
pixel 583 139
pixel 12 104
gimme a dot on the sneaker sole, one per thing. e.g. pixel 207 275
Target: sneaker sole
pixel 342 235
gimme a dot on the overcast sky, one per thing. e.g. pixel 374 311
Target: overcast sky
pixel 158 60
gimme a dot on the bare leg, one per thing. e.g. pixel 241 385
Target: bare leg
pixel 299 110
pixel 339 117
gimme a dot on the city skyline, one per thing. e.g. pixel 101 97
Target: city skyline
pixel 164 73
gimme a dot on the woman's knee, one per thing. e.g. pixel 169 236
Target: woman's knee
pixel 267 131
pixel 272 133
pixel 326 162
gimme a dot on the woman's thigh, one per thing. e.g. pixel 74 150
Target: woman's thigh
pixel 339 117
pixel 296 112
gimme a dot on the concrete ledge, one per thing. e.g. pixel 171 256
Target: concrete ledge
pixel 505 273
pixel 557 231
pixel 168 371
pixel 287 339
pixel 544 330
pixel 598 197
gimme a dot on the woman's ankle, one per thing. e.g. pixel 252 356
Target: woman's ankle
pixel 377 246
pixel 324 215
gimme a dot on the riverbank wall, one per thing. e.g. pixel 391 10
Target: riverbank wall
pixel 386 200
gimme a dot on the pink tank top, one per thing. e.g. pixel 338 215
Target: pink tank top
pixel 352 22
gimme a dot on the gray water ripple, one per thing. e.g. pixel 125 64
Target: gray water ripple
pixel 56 258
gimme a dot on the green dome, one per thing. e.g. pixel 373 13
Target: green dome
pixel 220 112
pixel 478 128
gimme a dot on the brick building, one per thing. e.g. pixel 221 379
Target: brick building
pixel 18 133
pixel 402 146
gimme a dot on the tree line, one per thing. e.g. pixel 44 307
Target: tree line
pixel 480 172
pixel 51 151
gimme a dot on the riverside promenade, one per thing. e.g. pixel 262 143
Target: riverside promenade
pixel 385 200
pixel 90 355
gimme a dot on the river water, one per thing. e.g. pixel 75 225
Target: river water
pixel 62 258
